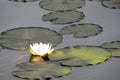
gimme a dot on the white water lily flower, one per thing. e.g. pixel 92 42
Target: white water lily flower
pixel 41 49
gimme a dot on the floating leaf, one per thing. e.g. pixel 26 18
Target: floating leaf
pixel 115 4
pixel 80 55
pixel 115 52
pixel 23 0
pixel 63 17
pixel 111 45
pixel 41 71
pixel 114 46
pixel 61 5
pixel 82 30
pixel 20 38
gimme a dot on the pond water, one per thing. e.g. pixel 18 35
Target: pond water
pixel 18 14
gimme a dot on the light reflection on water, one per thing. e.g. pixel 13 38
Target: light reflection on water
pixel 8 60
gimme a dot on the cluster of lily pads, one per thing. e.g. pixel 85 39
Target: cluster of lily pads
pixel 60 60
pixel 64 11
pixel 61 4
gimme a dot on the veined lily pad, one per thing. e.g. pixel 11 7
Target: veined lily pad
pixel 61 5
pixel 111 45
pixel 80 55
pixel 23 0
pixel 20 38
pixel 63 17
pixel 82 30
pixel 41 71
pixel 115 4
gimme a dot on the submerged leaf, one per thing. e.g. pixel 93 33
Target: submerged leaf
pixel 61 5
pixel 111 45
pixel 20 38
pixel 115 4
pixel 23 0
pixel 63 17
pixel 82 30
pixel 41 70
pixel 80 55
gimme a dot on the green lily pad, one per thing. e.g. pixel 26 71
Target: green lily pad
pixel 80 55
pixel 115 52
pixel 61 5
pixel 23 0
pixel 63 17
pixel 111 45
pixel 41 71
pixel 82 30
pixel 115 4
pixel 21 38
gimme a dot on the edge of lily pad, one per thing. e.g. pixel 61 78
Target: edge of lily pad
pixel 52 21
pixel 4 32
pixel 60 10
pixel 80 25
pixel 81 46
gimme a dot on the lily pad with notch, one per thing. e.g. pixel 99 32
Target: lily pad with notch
pixel 111 45
pixel 41 71
pixel 21 38
pixel 61 5
pixel 115 4
pixel 80 55
pixel 63 17
pixel 23 0
pixel 82 30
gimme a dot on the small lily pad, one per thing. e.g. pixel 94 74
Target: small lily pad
pixel 21 38
pixel 115 4
pixel 82 30
pixel 80 55
pixel 41 71
pixel 23 0
pixel 63 17
pixel 111 45
pixel 61 5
